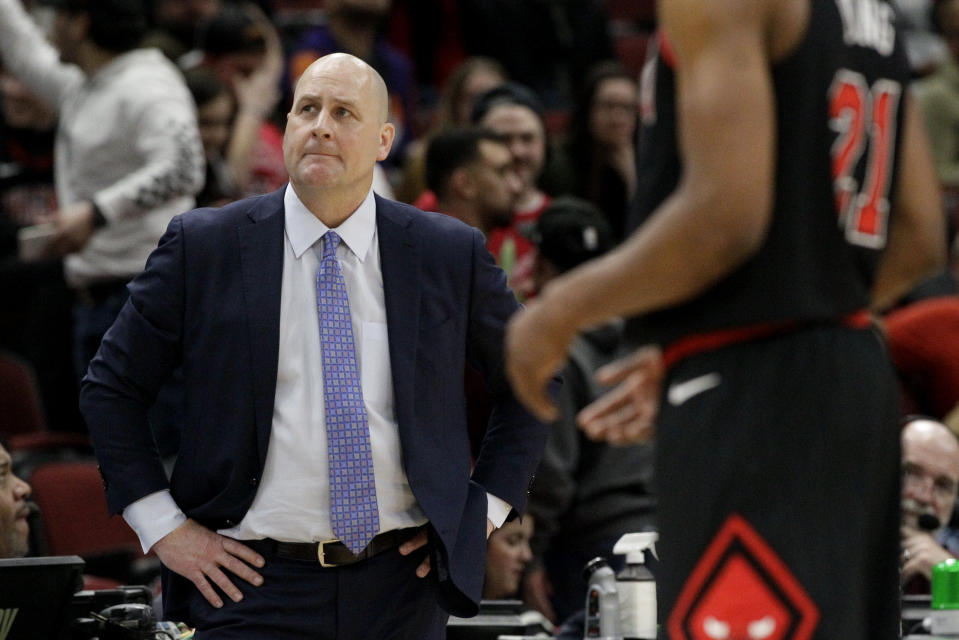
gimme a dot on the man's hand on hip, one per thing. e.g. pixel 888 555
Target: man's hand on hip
pixel 200 555
pixel 420 540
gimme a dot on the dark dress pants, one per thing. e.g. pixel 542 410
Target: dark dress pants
pixel 380 598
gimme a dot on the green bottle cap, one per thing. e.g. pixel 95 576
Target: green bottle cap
pixel 945 585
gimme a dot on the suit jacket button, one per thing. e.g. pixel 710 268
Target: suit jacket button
pixel 228 523
pixel 253 481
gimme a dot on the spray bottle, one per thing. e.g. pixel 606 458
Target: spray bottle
pixel 602 602
pixel 636 586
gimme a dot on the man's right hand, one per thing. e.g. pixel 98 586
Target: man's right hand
pixel 200 555
pixel 920 553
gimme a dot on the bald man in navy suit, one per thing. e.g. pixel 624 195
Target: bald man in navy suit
pixel 243 526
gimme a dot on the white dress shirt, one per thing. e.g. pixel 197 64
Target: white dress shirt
pixel 292 500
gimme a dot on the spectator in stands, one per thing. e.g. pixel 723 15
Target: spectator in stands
pixel 355 27
pixel 599 154
pixel 473 77
pixel 128 154
pixel 930 483
pixel 938 96
pixel 516 114
pixel 587 494
pixel 472 174
pixel 243 47
pixel 14 510
pixel 216 109
pixel 507 556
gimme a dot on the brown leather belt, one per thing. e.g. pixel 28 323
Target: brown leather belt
pixel 331 553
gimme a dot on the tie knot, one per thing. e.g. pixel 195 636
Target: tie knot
pixel 330 242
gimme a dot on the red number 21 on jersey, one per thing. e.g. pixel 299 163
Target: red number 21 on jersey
pixel 864 119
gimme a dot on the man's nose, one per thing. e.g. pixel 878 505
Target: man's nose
pixel 22 488
pixel 321 124
pixel 526 553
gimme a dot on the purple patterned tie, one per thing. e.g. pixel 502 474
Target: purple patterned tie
pixel 353 511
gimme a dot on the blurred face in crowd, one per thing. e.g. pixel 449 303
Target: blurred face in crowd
pixel 507 555
pixel 14 529
pixel 337 129
pixel 214 119
pixel 930 471
pixel 496 183
pixel 522 131
pixel 481 80
pixel 613 114
pixel 22 109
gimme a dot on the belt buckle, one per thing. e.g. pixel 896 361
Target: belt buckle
pixel 321 552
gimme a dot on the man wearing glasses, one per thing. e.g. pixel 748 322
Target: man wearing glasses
pixel 930 478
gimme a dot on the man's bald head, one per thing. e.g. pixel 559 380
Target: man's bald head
pixel 338 64
pixel 336 132
pixel 930 466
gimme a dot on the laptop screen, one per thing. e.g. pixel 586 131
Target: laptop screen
pixel 35 595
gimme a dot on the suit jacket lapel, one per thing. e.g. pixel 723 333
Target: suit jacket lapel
pixel 261 267
pixel 399 261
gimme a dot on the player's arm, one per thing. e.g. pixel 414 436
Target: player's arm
pixel 715 219
pixel 917 246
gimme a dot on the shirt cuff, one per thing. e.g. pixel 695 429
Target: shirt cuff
pixel 497 510
pixel 152 517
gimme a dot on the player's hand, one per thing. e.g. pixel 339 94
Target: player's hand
pixel 626 414
pixel 536 344
pixel 201 555
pixel 73 227
pixel 411 545
pixel 920 553
pixel 537 591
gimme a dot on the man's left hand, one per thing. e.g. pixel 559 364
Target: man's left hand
pixel 420 540
pixel 73 227
pixel 414 543
pixel 920 553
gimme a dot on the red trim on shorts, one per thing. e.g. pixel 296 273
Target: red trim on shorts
pixel 700 342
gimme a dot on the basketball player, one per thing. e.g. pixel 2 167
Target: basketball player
pixel 787 190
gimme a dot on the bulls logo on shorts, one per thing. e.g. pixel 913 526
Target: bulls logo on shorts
pixel 741 590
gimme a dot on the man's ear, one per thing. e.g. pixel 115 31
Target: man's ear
pixel 387 132
pixel 462 183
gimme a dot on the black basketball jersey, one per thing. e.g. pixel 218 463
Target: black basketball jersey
pixel 839 112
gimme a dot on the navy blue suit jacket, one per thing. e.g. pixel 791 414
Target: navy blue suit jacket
pixel 209 300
